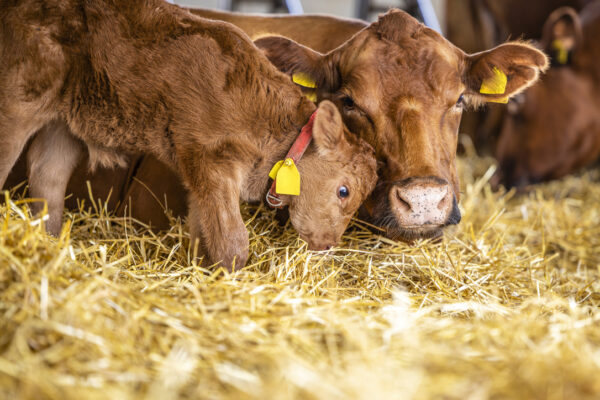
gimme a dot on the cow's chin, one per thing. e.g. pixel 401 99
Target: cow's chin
pixel 386 224
pixel 413 233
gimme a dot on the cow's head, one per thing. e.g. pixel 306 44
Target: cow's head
pixel 554 128
pixel 402 87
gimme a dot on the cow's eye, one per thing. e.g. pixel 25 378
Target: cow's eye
pixel 343 192
pixel 347 102
pixel 461 101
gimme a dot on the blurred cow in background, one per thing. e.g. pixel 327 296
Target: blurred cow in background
pixel 554 128
pixel 476 25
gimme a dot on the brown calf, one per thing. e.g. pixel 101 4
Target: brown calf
pixel 126 77
pixel 554 128
pixel 146 187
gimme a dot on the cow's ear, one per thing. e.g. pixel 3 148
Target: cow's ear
pixel 504 71
pixel 328 129
pixel 296 60
pixel 562 34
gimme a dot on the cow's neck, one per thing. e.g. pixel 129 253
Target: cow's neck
pixel 274 148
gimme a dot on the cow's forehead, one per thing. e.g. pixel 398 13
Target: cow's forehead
pixel 426 66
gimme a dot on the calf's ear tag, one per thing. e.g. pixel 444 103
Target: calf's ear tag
pixel 288 178
pixel 302 79
pixel 496 84
pixel 562 54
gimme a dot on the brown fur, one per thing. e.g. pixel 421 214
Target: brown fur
pixel 554 128
pixel 127 77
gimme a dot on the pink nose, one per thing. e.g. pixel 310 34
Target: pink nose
pixel 422 202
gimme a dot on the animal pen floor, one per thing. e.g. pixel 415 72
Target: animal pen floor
pixel 506 306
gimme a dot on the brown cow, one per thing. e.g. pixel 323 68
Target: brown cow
pixel 401 87
pixel 554 128
pixel 123 76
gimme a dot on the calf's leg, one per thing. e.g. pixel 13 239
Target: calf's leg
pixel 216 225
pixel 53 155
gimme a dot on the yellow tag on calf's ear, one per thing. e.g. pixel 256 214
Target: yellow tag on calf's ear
pixel 302 79
pixel 288 179
pixel 562 54
pixel 494 85
pixel 275 169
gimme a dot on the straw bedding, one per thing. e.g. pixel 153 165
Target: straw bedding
pixel 506 306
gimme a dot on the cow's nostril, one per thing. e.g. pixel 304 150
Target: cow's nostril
pixel 402 202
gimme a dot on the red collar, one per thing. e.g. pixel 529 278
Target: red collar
pixel 295 153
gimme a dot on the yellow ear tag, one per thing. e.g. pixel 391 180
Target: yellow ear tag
pixel 312 96
pixel 303 79
pixel 494 85
pixel 562 55
pixel 288 179
pixel 275 169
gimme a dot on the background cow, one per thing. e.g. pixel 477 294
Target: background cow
pixel 476 25
pixel 554 128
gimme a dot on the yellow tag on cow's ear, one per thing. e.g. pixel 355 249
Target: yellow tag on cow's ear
pixel 288 179
pixel 562 54
pixel 275 169
pixel 302 79
pixel 494 85
pixel 312 96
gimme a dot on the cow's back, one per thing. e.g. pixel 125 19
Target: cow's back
pixel 319 32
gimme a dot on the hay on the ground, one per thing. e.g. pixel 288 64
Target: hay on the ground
pixel 506 306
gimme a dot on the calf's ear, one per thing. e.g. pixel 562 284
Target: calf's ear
pixel 504 71
pixel 562 34
pixel 311 67
pixel 328 128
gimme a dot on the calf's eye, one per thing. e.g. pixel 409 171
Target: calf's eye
pixel 461 101
pixel 343 192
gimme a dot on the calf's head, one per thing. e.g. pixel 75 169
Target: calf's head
pixel 554 128
pixel 337 174
pixel 402 87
